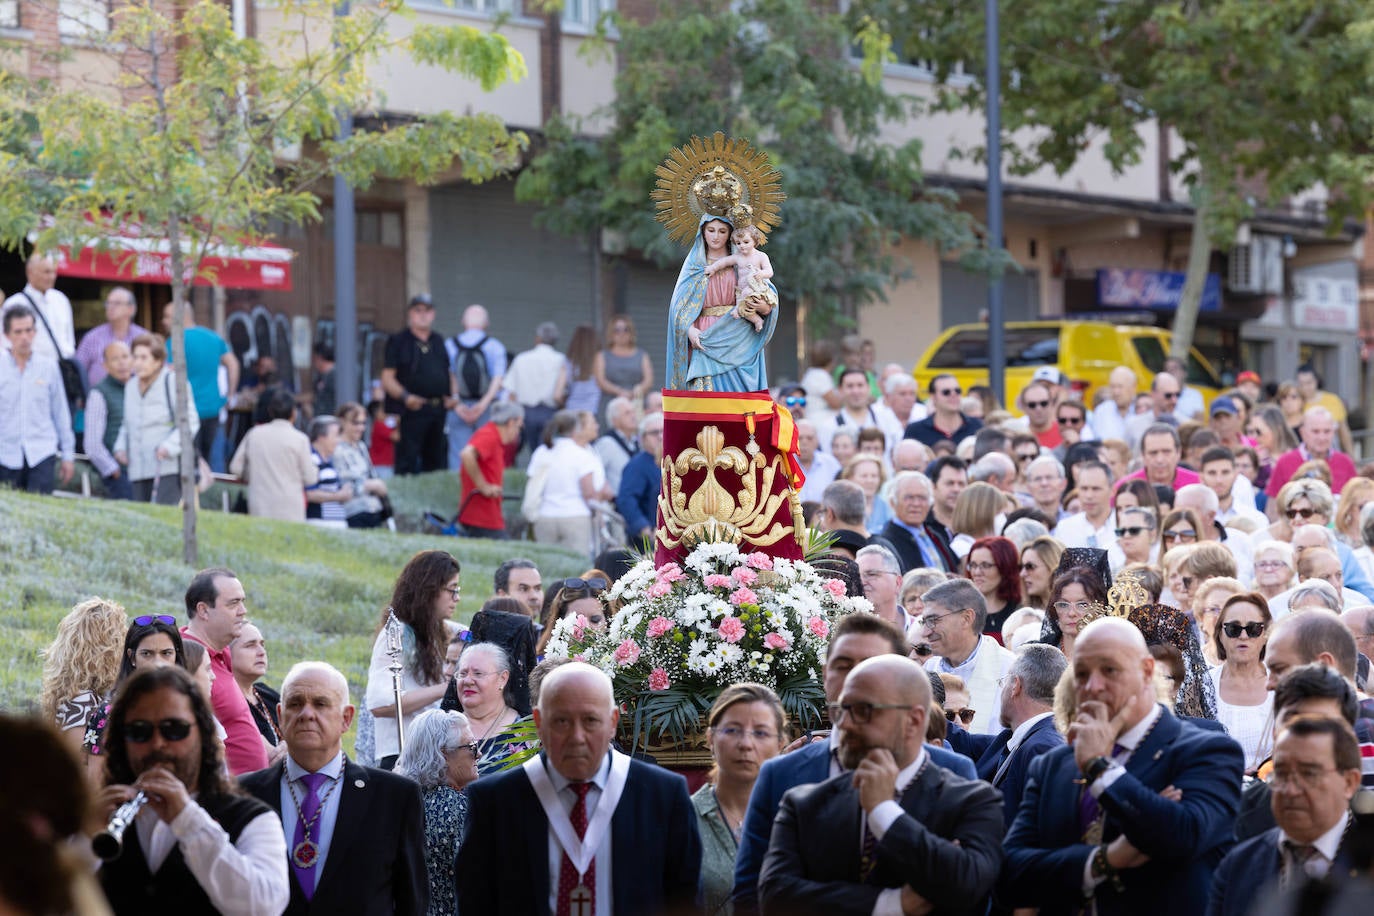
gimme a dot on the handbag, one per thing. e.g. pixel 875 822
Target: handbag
pixel 534 495
pixel 73 376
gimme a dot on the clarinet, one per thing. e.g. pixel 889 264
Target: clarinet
pixel 393 649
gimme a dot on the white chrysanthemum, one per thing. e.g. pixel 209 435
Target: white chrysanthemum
pixel 719 608
pixel 860 603
pixel 729 653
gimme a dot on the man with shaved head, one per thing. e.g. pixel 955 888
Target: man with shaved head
pixel 922 838
pixel 478 362
pixel 1133 815
pixel 1317 432
pixel 581 829
pixel 355 836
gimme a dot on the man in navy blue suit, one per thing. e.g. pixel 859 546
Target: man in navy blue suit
pixel 1136 814
pixel 1316 773
pixel 1027 723
pixel 579 829
pixel 855 638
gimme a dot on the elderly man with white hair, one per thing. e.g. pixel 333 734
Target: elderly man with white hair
pixel 618 445
pixel 952 626
pixel 361 828
pixel 899 407
pixel 1045 481
pixel 917 543
pixel 996 468
pixel 580 828
pixel 1203 500
pixel 1109 418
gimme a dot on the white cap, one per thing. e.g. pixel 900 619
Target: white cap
pixel 1048 374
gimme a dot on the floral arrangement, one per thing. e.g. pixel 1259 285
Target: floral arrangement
pixel 682 634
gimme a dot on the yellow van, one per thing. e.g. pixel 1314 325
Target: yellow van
pixel 1084 351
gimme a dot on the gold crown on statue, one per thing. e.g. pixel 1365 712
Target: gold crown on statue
pixel 721 177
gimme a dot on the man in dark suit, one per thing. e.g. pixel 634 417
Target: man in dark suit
pixel 1134 816
pixel 1316 773
pixel 898 832
pixel 538 835
pixel 1027 723
pixel 855 638
pixel 355 836
pixel 917 544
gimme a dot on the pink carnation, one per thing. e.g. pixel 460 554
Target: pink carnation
pixel 745 576
pixel 579 629
pixel 759 560
pixel 659 626
pixel 627 653
pixel 834 587
pixel 658 679
pixel 659 589
pixel 716 580
pixel 579 657
pixel 743 595
pixel 818 627
pixel 775 641
pixel 730 629
pixel 671 572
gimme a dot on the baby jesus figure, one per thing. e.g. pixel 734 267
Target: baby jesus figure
pixel 753 299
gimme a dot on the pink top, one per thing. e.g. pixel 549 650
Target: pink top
pixel 720 290
pixel 1342 469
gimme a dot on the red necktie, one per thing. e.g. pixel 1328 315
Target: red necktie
pixel 576 899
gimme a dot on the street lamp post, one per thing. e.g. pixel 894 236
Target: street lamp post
pixel 996 343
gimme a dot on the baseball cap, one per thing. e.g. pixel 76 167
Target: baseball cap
pixel 1048 374
pixel 1224 404
pixel 1248 376
pixel 421 299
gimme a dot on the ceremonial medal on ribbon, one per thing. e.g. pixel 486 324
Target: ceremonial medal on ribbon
pixel 306 854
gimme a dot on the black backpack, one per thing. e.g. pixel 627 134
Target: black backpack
pixel 470 367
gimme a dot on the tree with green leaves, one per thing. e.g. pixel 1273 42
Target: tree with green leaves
pixel 785 75
pixel 202 137
pixel 1270 99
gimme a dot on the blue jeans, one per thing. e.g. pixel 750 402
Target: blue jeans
pixel 118 487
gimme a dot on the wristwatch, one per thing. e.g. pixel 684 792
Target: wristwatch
pixel 1101 869
pixel 1095 768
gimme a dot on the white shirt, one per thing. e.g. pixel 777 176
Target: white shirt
pixel 614 456
pixel 380 693
pixel 885 814
pixel 1077 531
pixel 568 797
pixel 328 793
pixel 1189 404
pixel 568 463
pixel 818 383
pixel 892 426
pixel 247 876
pixel 847 422
pixel 822 473
pixel 57 308
pixel 1328 844
pixel 533 376
pixel 1110 422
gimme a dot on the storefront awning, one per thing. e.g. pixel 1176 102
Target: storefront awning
pixel 132 257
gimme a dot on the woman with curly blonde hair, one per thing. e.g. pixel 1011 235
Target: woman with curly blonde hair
pixel 81 665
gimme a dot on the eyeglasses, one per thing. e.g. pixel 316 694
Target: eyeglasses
pixel 475 675
pixel 928 621
pixel 147 619
pixel 1271 564
pixel 946 391
pixel 581 584
pixel 981 567
pixel 1300 513
pixel 963 714
pixel 861 713
pixel 1253 630
pixel 794 401
pixel 1171 396
pixel 1027 456
pixel 1029 567
pixel 875 573
pixel 140 731
pixel 1081 607
pixel 1187 535
pixel 735 733
pixel 1036 405
pixel 456 591
pixel 1302 777
pixel 472 747
pixel 1132 531
pixel 1070 421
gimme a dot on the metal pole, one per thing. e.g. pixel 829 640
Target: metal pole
pixel 993 82
pixel 346 385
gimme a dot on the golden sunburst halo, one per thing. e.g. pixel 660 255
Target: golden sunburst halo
pixel 716 176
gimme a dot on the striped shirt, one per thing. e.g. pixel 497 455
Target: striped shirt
pixel 328 483
pixel 91 353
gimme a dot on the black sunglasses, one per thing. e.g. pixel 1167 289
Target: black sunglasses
pixel 147 619
pixel 1037 404
pixel 578 585
pixel 951 391
pixel 1304 513
pixel 1253 630
pixel 1131 531
pixel 140 731
pixel 1070 421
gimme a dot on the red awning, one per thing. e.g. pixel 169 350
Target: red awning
pixel 132 257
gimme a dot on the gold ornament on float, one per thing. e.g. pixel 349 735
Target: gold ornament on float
pixel 721 177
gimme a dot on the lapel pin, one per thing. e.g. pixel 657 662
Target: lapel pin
pixel 1159 754
pixel 359 783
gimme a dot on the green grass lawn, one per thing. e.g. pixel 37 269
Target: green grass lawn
pixel 315 593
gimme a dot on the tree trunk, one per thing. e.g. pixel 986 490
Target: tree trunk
pixel 1199 259
pixel 190 497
